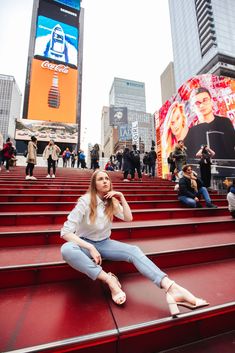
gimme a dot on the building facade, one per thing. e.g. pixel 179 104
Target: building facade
pixel 129 95
pixel 168 82
pixel 203 37
pixel 10 105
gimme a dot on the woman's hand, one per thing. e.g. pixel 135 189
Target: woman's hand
pixel 112 193
pixel 95 255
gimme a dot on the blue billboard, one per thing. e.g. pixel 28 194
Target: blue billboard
pixel 124 132
pixel 56 40
pixel 75 4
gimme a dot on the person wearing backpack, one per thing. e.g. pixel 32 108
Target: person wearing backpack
pixel 135 158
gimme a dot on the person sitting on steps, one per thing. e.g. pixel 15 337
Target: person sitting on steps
pixel 191 188
pixel 87 234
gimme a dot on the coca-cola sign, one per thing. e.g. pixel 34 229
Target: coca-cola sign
pixel 55 67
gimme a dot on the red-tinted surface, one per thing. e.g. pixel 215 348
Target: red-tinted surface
pixel 43 300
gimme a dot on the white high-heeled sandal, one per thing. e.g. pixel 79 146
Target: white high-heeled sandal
pixel 120 297
pixel 173 305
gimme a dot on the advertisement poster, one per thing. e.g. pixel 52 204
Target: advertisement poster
pixel 46 131
pixel 74 4
pixel 124 132
pixel 202 112
pixel 53 92
pixel 56 40
pixel 117 116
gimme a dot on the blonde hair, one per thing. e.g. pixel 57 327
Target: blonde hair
pixel 169 140
pixel 111 204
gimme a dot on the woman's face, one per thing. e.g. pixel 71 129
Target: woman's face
pixel 176 122
pixel 103 183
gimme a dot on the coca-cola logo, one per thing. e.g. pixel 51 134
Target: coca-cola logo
pixel 55 67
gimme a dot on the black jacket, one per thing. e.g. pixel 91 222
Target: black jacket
pixel 185 188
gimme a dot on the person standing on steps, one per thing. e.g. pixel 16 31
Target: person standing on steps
pixel 135 157
pixel 87 234
pixel 205 154
pixel 51 155
pixel 31 159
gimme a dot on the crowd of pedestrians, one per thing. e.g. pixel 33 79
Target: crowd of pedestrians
pixel 190 186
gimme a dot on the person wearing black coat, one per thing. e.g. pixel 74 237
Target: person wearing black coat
pixel 127 165
pixel 191 188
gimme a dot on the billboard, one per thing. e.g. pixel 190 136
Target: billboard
pixel 53 92
pixel 52 84
pixel 46 131
pixel 135 134
pixel 56 40
pixel 75 4
pixel 124 132
pixel 117 116
pixel 202 112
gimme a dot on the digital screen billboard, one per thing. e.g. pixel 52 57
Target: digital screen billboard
pixel 56 40
pixel 202 112
pixel 75 4
pixel 53 92
pixel 46 131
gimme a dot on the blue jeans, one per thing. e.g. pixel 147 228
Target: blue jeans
pixel 80 259
pixel 152 168
pixel 191 202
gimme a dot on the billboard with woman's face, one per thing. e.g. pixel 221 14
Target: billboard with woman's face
pixel 202 112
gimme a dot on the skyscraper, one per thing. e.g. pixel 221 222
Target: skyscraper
pixel 203 36
pixel 129 96
pixel 10 105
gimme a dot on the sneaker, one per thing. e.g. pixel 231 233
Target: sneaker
pixel 27 177
pixel 32 178
pixel 211 205
pixel 126 180
pixel 48 176
pixel 53 175
pixel 8 171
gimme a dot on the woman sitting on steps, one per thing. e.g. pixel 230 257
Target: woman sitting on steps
pixel 87 232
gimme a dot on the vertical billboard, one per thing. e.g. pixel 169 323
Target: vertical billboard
pixel 53 92
pixel 52 88
pixel 201 113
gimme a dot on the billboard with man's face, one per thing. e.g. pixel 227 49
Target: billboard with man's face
pixel 201 113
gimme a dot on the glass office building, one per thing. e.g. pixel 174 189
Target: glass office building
pixel 128 93
pixel 203 37
pixel 131 94
pixel 10 105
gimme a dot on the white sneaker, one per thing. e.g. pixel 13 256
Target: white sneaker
pixel 48 176
pixel 53 175
pixel 33 178
pixel 8 171
pixel 27 177
pixel 126 180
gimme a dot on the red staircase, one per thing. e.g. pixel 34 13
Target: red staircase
pixel 46 306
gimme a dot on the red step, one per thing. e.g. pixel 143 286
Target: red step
pixel 58 315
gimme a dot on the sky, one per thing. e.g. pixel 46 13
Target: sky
pixel 129 39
